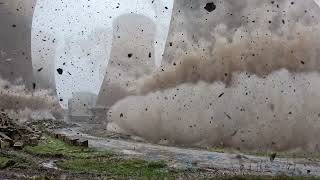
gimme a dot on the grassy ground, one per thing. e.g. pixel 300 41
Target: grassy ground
pixel 86 163
pixel 51 147
pixel 82 160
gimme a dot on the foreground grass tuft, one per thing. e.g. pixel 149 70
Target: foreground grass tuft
pixel 51 147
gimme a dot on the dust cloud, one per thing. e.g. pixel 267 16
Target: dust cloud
pixel 260 56
pixel 243 75
pixel 23 104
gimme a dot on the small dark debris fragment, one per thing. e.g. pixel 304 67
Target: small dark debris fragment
pixel 60 71
pixel 234 133
pixel 129 55
pixel 121 115
pixel 228 116
pixel 308 171
pixel 40 69
pixel 221 95
pixel 210 7
pixel 273 156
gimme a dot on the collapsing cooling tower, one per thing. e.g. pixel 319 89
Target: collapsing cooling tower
pixel 20 97
pixel 71 40
pixel 132 57
pixel 15 40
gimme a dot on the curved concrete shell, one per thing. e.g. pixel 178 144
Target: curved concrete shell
pixel 132 56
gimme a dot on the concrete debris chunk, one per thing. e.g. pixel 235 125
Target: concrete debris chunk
pixel 18 145
pixel 83 143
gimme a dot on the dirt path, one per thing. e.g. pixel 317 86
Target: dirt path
pixel 232 164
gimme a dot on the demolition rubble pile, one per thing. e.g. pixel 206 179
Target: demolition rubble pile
pixel 13 134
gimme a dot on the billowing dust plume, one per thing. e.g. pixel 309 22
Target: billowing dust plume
pixel 260 56
pixel 23 104
pixel 255 88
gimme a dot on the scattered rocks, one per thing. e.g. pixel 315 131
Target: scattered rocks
pixel 13 134
pixel 46 124
pixel 72 141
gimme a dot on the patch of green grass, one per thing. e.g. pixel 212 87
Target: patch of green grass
pixel 4 162
pixel 52 147
pixel 87 160
pixel 117 167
